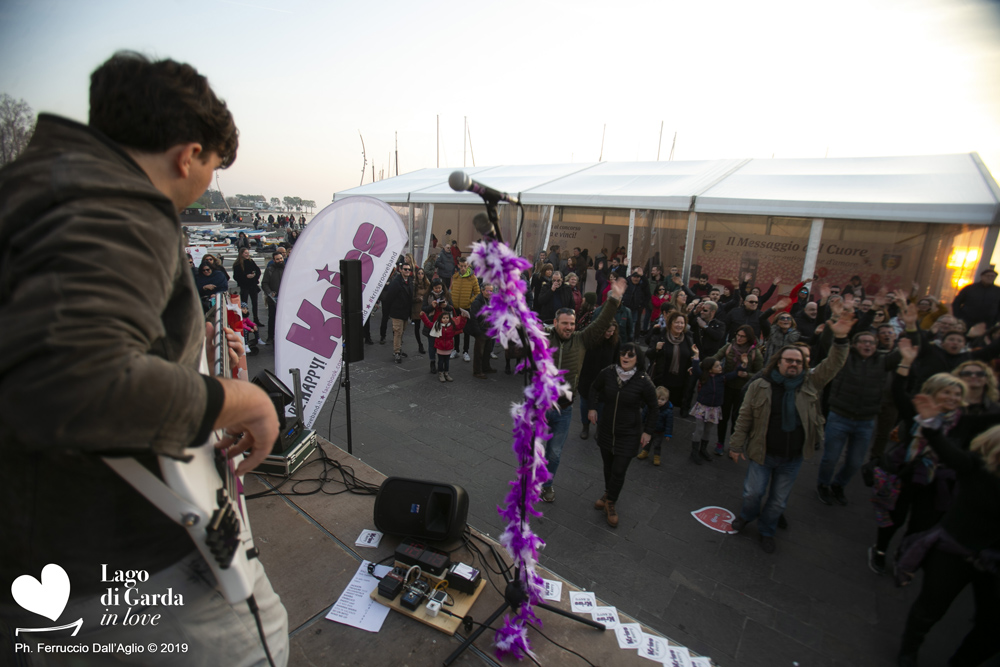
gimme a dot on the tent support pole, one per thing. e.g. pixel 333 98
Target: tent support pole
pixel 548 230
pixel 631 235
pixel 812 249
pixel 409 224
pixel 689 245
pixel 428 233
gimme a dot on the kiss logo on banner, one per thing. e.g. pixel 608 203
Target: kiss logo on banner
pixel 716 518
pixel 309 328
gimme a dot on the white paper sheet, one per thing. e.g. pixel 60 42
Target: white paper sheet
pixel 368 538
pixel 653 647
pixel 355 606
pixel 701 661
pixel 608 616
pixel 553 590
pixel 677 656
pixel 582 603
pixel 629 635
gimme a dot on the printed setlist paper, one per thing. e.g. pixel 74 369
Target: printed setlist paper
pixel 629 635
pixel 553 590
pixel 582 603
pixel 701 661
pixel 608 616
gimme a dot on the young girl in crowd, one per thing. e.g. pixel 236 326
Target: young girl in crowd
pixel 664 425
pixel 443 334
pixel 250 333
pixel 707 410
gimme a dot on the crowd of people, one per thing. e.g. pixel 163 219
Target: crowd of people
pixel 827 372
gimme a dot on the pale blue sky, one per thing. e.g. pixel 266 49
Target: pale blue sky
pixel 537 80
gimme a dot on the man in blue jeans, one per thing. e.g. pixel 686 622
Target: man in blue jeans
pixel 778 427
pixel 855 403
pixel 568 348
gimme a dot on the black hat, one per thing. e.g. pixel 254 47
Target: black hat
pixel 437 281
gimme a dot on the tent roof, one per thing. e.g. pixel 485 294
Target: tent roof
pixel 932 188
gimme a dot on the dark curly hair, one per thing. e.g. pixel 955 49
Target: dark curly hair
pixel 152 106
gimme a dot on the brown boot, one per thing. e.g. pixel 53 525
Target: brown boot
pixel 612 514
pixel 599 505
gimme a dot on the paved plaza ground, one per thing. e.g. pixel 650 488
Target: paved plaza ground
pixel 813 602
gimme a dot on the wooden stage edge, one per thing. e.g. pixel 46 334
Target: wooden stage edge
pixel 306 544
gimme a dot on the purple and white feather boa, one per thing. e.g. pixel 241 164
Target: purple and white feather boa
pixel 505 311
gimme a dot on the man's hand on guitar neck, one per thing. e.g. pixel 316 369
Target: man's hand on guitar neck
pixel 234 340
pixel 246 410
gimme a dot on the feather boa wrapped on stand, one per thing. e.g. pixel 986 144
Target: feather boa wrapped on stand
pixel 505 312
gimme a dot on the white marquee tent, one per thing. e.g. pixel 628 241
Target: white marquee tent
pixel 908 218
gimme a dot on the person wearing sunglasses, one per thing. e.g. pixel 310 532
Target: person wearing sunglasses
pixel 779 428
pixel 783 333
pixel 624 389
pixel 982 396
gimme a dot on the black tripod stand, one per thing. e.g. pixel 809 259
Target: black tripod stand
pixel 514 596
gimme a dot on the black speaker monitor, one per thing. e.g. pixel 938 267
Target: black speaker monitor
pixel 431 511
pixel 351 311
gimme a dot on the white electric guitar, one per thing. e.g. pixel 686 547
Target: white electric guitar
pixel 204 494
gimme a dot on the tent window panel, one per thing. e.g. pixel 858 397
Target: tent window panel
pixel 659 239
pixel 727 247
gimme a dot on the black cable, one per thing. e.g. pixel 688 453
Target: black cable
pixel 468 622
pixel 252 603
pixel 347 477
pixel 562 647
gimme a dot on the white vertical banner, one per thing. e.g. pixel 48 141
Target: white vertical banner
pixel 309 326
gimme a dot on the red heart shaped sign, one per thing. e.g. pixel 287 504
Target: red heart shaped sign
pixel 716 518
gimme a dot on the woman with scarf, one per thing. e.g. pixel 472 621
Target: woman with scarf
pixel 671 356
pixel 421 287
pixel 784 333
pixel 731 355
pixel 963 549
pixel 623 388
pixel 911 482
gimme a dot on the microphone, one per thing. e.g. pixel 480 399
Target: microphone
pixel 460 182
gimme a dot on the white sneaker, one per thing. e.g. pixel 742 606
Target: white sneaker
pixel 454 353
pixel 466 357
pixel 493 355
pixel 260 342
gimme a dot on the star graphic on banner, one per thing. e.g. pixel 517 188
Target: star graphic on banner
pixel 324 274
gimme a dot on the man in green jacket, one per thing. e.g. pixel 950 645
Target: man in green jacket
pixel 570 346
pixel 778 427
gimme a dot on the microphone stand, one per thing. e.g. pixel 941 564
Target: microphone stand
pixel 515 592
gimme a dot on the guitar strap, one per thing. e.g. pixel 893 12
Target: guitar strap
pixel 153 488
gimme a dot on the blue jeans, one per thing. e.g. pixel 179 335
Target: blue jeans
pixel 780 472
pixel 857 435
pixel 585 407
pixel 558 422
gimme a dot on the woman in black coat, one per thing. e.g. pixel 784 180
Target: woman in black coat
pixel 624 388
pixel 247 275
pixel 963 549
pixel 671 355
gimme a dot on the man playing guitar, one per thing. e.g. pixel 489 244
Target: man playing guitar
pixel 102 335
